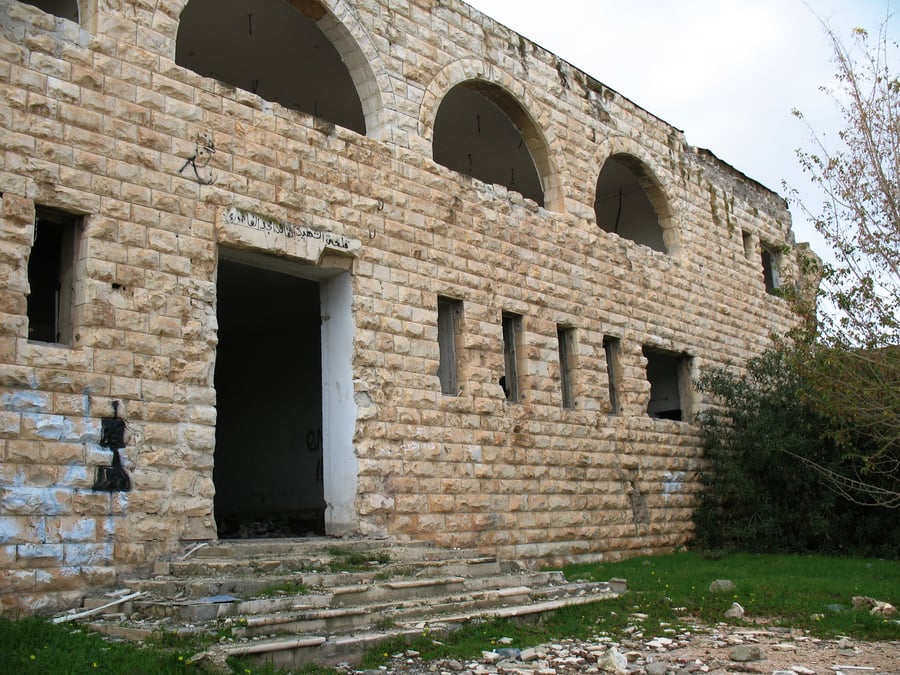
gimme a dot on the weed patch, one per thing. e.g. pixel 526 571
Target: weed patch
pixel 354 561
pixel 284 588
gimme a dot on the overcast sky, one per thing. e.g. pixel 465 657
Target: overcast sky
pixel 726 72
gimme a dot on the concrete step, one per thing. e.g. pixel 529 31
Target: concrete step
pixel 246 577
pixel 324 548
pixel 296 651
pixel 368 592
pixel 277 547
pixel 395 561
pixel 297 601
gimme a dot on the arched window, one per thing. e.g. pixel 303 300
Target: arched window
pixel 65 9
pixel 483 132
pixel 273 48
pixel 624 202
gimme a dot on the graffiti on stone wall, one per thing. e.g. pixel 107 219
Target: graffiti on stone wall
pixel 199 161
pixel 314 445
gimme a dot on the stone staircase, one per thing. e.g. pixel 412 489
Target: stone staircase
pixel 325 600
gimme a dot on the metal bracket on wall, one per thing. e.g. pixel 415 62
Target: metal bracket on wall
pixel 112 477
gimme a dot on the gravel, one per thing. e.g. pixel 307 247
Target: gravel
pixel 703 649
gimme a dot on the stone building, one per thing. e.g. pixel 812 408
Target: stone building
pixel 369 267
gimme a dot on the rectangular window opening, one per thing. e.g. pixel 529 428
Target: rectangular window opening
pixel 51 276
pixel 669 377
pixel 512 330
pixel 611 347
pixel 749 245
pixel 566 337
pixel 771 260
pixel 449 322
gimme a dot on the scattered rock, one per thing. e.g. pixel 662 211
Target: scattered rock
pixel 529 655
pixel 613 661
pixel 785 647
pixel 735 611
pixel 213 662
pixel 745 653
pixel 722 586
pixel 508 652
pixel 490 657
pixel 875 607
pixel 695 652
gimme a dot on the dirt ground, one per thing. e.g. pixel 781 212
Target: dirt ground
pixel 716 650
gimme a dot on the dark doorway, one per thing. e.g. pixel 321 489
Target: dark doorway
pixel 268 458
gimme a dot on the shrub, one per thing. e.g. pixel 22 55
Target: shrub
pixel 765 449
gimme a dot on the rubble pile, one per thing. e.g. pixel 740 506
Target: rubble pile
pixel 716 650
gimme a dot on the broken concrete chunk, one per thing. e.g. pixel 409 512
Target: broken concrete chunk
pixel 613 661
pixel 735 611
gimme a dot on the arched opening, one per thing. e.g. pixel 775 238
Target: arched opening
pixel 65 9
pixel 628 200
pixel 483 132
pixel 273 48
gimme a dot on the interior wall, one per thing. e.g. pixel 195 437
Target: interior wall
pixel 474 136
pixel 268 457
pixel 663 371
pixel 66 9
pixel 272 49
pixel 622 206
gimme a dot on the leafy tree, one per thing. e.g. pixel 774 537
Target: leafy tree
pixel 860 178
pixel 849 356
pixel 759 494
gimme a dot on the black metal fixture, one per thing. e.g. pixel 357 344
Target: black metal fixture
pixel 113 477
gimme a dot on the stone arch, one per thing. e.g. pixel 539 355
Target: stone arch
pixel 349 39
pixel 627 178
pixel 364 63
pixel 510 97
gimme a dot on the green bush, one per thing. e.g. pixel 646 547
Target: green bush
pixel 761 490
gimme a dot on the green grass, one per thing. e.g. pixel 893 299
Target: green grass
pixel 344 560
pixel 34 645
pixel 671 591
pixel 809 592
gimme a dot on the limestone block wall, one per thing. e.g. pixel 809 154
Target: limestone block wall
pixel 97 120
